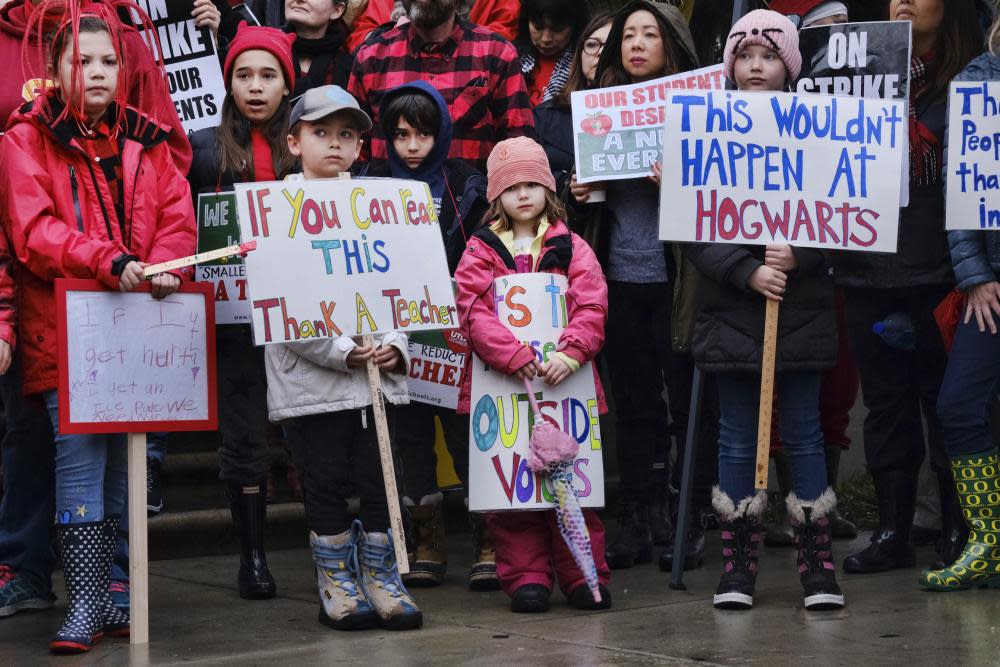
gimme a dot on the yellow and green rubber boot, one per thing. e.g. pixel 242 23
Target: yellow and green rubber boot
pixel 977 480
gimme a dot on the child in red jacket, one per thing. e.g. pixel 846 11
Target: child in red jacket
pixel 88 189
pixel 529 235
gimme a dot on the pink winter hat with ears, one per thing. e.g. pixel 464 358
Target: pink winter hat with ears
pixel 518 160
pixel 767 28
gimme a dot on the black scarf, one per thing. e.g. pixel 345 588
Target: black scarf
pixel 322 52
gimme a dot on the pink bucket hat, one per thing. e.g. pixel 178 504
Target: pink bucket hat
pixel 767 28
pixel 513 161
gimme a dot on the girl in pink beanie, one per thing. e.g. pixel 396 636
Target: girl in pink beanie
pixel 528 234
pixel 762 52
pixel 737 280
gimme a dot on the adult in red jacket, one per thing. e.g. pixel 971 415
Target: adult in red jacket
pixel 147 88
pixel 500 16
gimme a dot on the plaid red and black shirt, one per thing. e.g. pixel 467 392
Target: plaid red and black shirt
pixel 476 71
pixel 106 153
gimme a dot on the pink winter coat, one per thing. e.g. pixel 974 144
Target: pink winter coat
pixel 486 258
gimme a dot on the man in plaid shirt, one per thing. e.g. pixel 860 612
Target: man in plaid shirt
pixel 475 70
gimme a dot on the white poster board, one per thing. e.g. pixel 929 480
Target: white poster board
pixel 973 200
pixel 616 131
pixel 343 257
pixel 131 363
pixel 533 306
pixel 191 59
pixel 807 170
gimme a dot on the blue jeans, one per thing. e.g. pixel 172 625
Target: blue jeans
pixel 801 435
pixel 971 382
pixel 91 481
pixel 28 481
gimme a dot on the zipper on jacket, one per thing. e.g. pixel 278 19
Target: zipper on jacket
pixel 100 200
pixel 135 186
pixel 76 197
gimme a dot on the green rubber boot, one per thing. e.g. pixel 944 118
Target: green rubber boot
pixel 977 480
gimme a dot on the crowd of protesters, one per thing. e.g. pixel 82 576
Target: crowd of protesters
pixel 98 178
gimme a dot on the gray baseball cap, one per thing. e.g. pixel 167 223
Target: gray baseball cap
pixel 320 102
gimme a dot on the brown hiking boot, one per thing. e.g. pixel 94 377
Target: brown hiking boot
pixel 483 575
pixel 429 558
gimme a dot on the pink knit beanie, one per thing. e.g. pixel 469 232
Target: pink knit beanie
pixel 767 28
pixel 513 161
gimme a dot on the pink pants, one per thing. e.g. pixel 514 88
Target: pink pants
pixel 529 545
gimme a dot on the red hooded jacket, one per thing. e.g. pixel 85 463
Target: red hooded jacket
pixel 485 259
pixel 52 204
pixel 143 75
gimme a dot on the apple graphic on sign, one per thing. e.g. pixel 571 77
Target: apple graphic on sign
pixel 597 124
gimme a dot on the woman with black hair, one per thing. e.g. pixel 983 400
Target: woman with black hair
pixel 898 385
pixel 546 41
pixel 647 40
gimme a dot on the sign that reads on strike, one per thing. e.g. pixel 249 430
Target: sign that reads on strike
pixel 617 130
pixel 194 75
pixel 857 59
pixel 757 168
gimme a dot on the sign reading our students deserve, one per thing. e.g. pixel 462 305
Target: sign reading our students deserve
pixel 218 228
pixel 131 363
pixel 973 200
pixel 533 307
pixel 857 59
pixel 190 54
pixel 617 130
pixel 807 170
pixel 343 257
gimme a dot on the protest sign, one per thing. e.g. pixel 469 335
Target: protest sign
pixel 218 228
pixel 769 167
pixel 533 306
pixel 191 59
pixel 973 195
pixel 343 257
pixel 437 361
pixel 857 59
pixel 130 363
pixel 617 131
pixel 860 60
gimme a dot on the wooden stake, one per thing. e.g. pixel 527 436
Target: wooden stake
pixel 198 258
pixel 766 392
pixel 385 455
pixel 138 556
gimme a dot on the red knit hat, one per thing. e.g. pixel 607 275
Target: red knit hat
pixel 276 42
pixel 767 28
pixel 513 161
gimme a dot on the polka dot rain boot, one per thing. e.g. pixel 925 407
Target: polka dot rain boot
pixel 87 571
pixel 977 480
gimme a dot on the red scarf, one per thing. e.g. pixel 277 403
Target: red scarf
pixel 925 147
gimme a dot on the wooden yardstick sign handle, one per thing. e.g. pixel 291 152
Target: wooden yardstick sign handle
pixel 766 393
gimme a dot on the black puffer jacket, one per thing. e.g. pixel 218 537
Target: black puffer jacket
pixel 922 248
pixel 204 175
pixel 729 330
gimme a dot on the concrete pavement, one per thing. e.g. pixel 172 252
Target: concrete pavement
pixel 197 618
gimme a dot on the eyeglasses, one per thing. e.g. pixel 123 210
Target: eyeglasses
pixel 593 46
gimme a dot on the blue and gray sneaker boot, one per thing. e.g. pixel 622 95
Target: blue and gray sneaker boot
pixel 22 591
pixel 380 581
pixel 342 604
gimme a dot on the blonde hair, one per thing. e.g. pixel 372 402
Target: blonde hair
pixel 498 220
